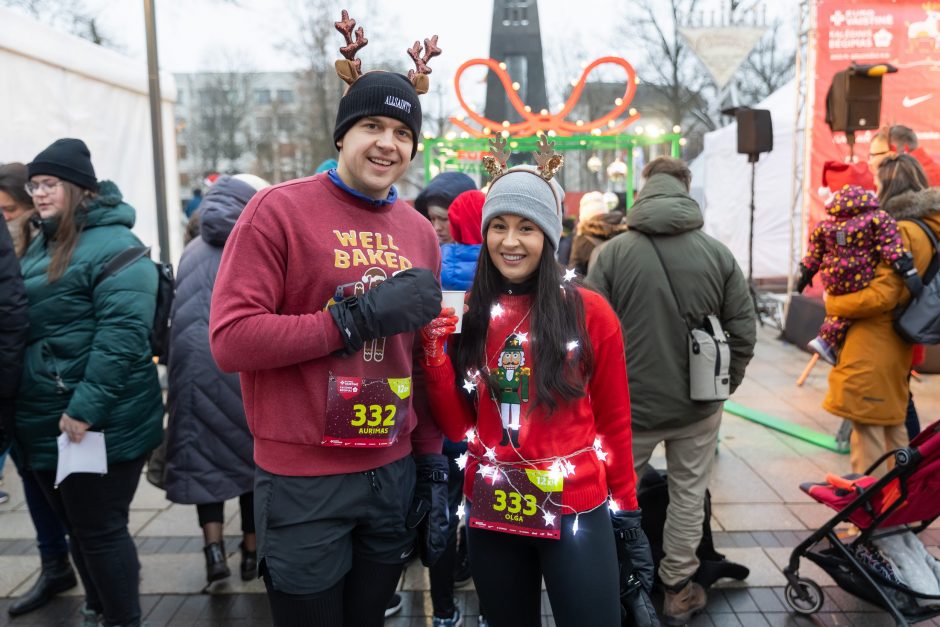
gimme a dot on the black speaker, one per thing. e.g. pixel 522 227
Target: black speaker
pixel 853 102
pixel 755 131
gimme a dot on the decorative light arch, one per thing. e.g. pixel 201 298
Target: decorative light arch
pixel 545 121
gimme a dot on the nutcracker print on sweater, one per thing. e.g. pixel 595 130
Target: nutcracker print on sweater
pixel 848 245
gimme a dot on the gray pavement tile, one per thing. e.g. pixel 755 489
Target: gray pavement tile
pixel 164 609
pixel 766 600
pixel 779 619
pixel 740 600
pixel 870 620
pixel 705 620
pixel 755 517
pixel 753 619
pixel 717 603
pixel 765 539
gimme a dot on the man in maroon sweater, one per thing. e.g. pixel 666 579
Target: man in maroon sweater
pixel 322 285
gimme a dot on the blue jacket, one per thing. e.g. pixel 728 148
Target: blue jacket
pixel 458 265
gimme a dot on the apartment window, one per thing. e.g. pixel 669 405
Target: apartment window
pixel 516 13
pixel 285 96
pixel 262 96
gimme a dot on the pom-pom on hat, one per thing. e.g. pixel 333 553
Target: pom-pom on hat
pixel 592 204
pixel 68 159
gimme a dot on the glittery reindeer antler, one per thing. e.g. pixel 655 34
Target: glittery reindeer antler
pixel 495 164
pixel 547 159
pixel 419 75
pixel 350 68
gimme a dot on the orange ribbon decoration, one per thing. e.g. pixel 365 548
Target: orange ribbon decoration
pixel 534 122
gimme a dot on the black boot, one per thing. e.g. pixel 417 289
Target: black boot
pixel 505 439
pixel 56 576
pixel 216 568
pixel 249 566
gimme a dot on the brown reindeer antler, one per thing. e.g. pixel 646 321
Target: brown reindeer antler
pixel 350 68
pixel 547 159
pixel 419 75
pixel 495 164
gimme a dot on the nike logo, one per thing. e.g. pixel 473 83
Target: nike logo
pixel 407 553
pixel 913 102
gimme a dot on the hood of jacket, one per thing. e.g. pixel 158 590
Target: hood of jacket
pixel 442 190
pixel 221 207
pixel 914 204
pixel 850 201
pixel 603 226
pixel 107 208
pixel 664 207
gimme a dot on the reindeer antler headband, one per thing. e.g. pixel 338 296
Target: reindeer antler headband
pixel 548 161
pixel 349 68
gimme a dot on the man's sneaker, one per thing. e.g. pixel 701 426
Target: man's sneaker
pixel 482 622
pixel 394 605
pixel 822 347
pixel 4 497
pixel 453 621
pixel 462 571
pixel 681 605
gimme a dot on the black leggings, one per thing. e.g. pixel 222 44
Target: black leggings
pixel 214 512
pixel 357 600
pixel 580 571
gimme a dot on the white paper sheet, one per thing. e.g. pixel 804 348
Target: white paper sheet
pixel 89 455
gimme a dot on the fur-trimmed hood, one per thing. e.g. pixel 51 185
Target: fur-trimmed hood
pixel 914 204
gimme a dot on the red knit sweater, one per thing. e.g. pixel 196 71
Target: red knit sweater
pixel 604 412
pixel 292 247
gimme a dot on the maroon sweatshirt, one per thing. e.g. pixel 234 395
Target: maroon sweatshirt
pixel 295 247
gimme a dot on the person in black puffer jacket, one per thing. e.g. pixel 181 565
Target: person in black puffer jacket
pixel 209 448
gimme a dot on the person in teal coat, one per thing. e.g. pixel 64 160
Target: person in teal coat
pixel 88 367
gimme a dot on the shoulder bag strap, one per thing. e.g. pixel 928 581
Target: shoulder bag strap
pixel 935 262
pixel 120 261
pixel 662 263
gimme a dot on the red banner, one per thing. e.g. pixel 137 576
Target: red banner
pixel 904 33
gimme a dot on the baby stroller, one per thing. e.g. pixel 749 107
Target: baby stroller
pixel 905 499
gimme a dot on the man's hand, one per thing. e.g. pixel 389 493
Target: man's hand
pixel 434 336
pixel 75 429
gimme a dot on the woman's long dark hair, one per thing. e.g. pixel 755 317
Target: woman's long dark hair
pixel 898 174
pixel 557 318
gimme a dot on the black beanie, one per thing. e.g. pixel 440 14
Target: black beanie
pixel 380 93
pixel 68 159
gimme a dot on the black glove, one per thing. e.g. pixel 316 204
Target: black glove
pixel 429 511
pixel 405 302
pixel 904 265
pixel 633 552
pixel 806 278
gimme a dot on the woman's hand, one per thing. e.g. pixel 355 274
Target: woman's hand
pixel 75 429
pixel 434 336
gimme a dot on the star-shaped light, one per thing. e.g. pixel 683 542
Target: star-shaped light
pixel 570 274
pixel 462 461
pixel 461 512
pixel 484 470
pixel 613 506
pixel 601 454
pixel 569 468
pixel 523 337
pixel 471 435
pixel 469 386
pixel 574 527
pixel 597 443
pixel 490 453
pixel 549 519
pixel 555 471
pixel 573 344
pixel 496 311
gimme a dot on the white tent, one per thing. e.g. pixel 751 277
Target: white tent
pixel 727 185
pixel 57 85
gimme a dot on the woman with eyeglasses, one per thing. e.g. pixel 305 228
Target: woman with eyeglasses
pixel 869 385
pixel 89 368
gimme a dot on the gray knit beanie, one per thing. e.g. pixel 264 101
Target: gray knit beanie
pixel 522 191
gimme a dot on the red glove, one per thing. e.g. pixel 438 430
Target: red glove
pixel 434 336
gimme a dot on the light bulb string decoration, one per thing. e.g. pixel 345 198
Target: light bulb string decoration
pixel 545 121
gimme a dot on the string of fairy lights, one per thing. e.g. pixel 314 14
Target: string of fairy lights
pixel 559 467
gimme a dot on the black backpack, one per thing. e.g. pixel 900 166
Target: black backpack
pixel 919 321
pixel 160 332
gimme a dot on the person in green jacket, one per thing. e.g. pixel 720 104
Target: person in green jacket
pixel 707 281
pixel 88 367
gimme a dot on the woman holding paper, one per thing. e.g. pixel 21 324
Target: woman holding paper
pixel 88 368
pixel 543 400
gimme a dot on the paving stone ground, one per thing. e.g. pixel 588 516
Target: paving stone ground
pixel 759 515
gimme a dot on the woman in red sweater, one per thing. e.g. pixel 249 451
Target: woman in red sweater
pixel 538 385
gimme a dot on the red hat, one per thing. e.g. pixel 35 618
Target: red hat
pixel 465 215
